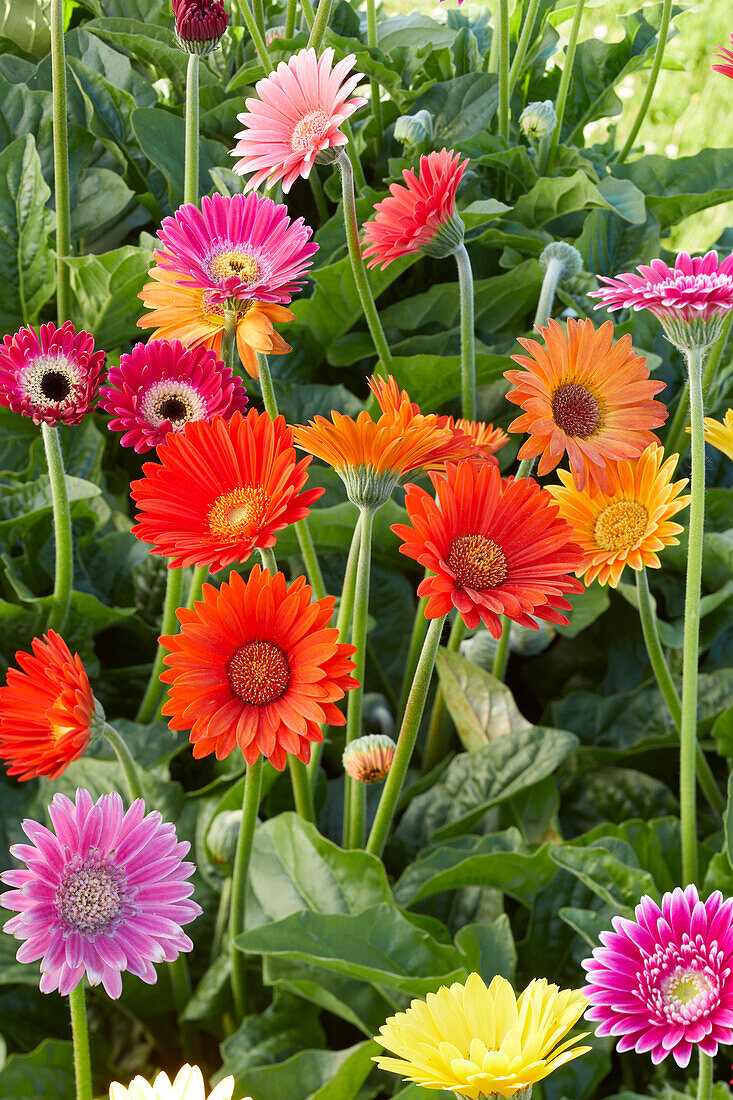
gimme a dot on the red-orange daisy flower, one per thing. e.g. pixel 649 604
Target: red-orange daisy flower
pixel 496 546
pixel 220 489
pixel 256 664
pixel 485 439
pixel 585 395
pixel 47 710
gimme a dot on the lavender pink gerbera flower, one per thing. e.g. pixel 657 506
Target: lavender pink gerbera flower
pixel 107 891
pixel 51 376
pixel 237 247
pixel 663 983
pixel 161 386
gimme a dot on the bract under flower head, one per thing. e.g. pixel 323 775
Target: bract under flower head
pixel 188 1085
pixel 50 376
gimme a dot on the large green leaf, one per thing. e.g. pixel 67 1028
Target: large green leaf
pixel 106 289
pixel 610 869
pixel 21 504
pixel 309 1075
pixel 481 706
pixel 45 1074
pixel 26 260
pixel 554 196
pixel 460 108
pixel 25 23
pixel 431 380
pixel 162 138
pixel 676 188
pixel 272 1036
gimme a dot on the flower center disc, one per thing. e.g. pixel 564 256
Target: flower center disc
pixel 687 993
pixel 575 410
pixel 51 381
pixel 233 261
pixel 238 513
pixel 55 386
pixel 173 408
pixel 90 896
pixel 477 562
pixel 309 131
pixel 620 525
pixel 258 673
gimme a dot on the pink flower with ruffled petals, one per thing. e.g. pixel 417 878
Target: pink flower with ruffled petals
pixel 664 982
pixel 107 891
pixel 51 376
pixel 725 64
pixel 296 118
pixel 237 247
pixel 162 386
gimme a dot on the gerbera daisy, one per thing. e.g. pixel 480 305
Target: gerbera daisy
pixel 629 522
pixel 725 63
pixel 106 892
pixel 485 438
pixel 295 118
pixel 496 546
pixel 180 311
pixel 51 376
pixel 419 216
pixel 47 710
pixel 719 434
pixel 690 300
pixel 663 983
pixel 160 387
pixel 585 395
pixel 481 1042
pixel 369 758
pixel 188 1085
pixel 237 247
pixel 397 407
pixel 257 665
pixel 222 489
pixel 200 24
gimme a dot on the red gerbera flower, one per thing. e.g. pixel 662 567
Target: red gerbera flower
pixel 256 664
pixel 724 64
pixel 221 489
pixel 46 710
pixel 51 376
pixel 496 547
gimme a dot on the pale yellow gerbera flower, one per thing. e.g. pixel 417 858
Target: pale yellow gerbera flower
pixel 188 1085
pixel 479 1042
pixel 720 435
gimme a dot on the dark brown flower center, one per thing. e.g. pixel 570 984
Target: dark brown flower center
pixel 55 386
pixel 259 673
pixel 477 562
pixel 575 410
pixel 173 409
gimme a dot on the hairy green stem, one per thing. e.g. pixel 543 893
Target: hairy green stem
pixel 320 25
pixel 373 42
pixel 290 18
pixel 80 1037
pixel 468 340
pixel 133 781
pixel 268 559
pixel 250 806
pixel 200 576
pixel 191 163
pixel 653 76
pixel 553 272
pixel 435 746
pixel 354 793
pixel 256 34
pixel 503 110
pixel 258 10
pixel 64 566
pixel 222 919
pixel 677 437
pixel 705 1077
pixel 310 15
pixel 419 629
pixel 562 92
pixel 60 162
pixel 524 40
pixel 353 155
pixel 154 690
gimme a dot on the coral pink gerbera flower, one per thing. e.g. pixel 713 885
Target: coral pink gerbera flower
pixel 104 892
pixel 162 386
pixel 725 64
pixel 664 982
pixel 296 118
pixel 237 247
pixel 690 300
pixel 419 216
pixel 51 376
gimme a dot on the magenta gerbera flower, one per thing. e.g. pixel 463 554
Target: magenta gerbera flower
pixel 237 247
pixel 664 982
pixel 51 376
pixel 161 386
pixel 690 300
pixel 725 62
pixel 296 117
pixel 106 892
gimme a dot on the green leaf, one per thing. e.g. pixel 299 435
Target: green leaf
pixel 362 1006
pixel 162 138
pixel 431 380
pixel 105 290
pixel 481 706
pixel 609 245
pixel 272 1036
pixel 676 188
pixel 26 260
pixel 728 822
pixel 588 606
pixel 25 23
pixel 554 196
pixel 461 108
pixel 22 504
pixel 308 1075
pixel 47 1073
pixel 490 947
pixel 614 876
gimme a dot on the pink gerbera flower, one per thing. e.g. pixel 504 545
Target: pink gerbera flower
pixel 162 386
pixel 106 892
pixel 690 300
pixel 419 216
pixel 237 247
pixel 296 117
pixel 725 66
pixel 664 982
pixel 51 376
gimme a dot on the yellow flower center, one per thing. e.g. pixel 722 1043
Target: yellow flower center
pixel 233 261
pixel 259 673
pixel 477 562
pixel 238 512
pixel 308 131
pixel 576 410
pixel 620 525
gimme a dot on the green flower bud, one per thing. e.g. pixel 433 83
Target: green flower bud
pixel 538 120
pixel 221 839
pixel 566 254
pixel 413 130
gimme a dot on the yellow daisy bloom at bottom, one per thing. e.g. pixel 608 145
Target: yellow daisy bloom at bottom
pixel 630 522
pixel 188 1085
pixel 479 1042
pixel 720 435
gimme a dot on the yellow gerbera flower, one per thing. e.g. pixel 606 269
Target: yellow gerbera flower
pixel 720 435
pixel 630 522
pixel 477 1041
pixel 188 1085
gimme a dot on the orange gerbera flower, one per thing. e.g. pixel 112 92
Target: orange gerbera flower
pixel 629 522
pixel 585 395
pixel 220 489
pixel 184 313
pixel 47 710
pixel 496 546
pixel 486 439
pixel 256 664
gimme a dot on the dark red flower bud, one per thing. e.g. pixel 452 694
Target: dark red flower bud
pixel 200 24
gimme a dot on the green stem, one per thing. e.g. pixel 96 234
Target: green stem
pixel 250 806
pixel 229 338
pixel 290 18
pixel 523 43
pixel 525 468
pixel 191 165
pixel 320 25
pixel 503 111
pixel 419 629
pixel 310 15
pixel 127 761
pixel 553 271
pixel 200 576
pixel 359 177
pixel 60 162
pixel 258 10
pixel 268 559
pixel 354 792
pixel 691 644
pixel 64 567
pixel 357 264
pixel 406 739
pixel 302 793
pixel 373 42
pixel 256 34
pixel 80 1037
pixel 653 75
pixel 154 690
pixel 705 1078
pixel 222 918
pixel 468 340
pixel 677 437
pixel 492 65
pixel 562 92
pixel 435 746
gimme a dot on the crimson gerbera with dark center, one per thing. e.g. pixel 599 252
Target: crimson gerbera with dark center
pixel 201 21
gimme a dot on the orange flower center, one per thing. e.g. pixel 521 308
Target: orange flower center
pixel 576 410
pixel 233 261
pixel 309 130
pixel 620 525
pixel 238 512
pixel 259 673
pixel 477 562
